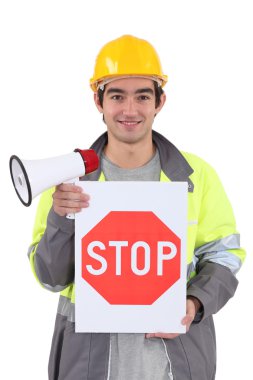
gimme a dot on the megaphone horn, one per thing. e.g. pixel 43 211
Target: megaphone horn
pixel 32 177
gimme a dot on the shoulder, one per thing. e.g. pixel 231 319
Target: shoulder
pixel 199 165
pixel 196 162
pixel 204 175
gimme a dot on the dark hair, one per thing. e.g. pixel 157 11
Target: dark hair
pixel 158 92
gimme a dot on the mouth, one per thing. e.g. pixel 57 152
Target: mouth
pixel 127 123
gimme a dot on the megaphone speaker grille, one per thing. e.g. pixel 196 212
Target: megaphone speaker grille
pixel 20 180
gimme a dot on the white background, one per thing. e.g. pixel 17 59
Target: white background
pixel 48 50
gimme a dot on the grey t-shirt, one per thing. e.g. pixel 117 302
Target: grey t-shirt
pixel 148 172
pixel 132 356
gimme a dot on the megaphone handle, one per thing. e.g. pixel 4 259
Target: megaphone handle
pixel 72 181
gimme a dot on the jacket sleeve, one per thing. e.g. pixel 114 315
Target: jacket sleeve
pixel 218 255
pixel 51 253
pixel 213 285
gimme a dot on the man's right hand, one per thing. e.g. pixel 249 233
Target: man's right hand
pixel 69 199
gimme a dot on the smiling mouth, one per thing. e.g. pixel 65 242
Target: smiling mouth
pixel 129 123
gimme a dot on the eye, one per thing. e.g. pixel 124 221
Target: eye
pixel 117 97
pixel 143 97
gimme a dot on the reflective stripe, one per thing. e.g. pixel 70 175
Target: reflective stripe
pixel 54 289
pixel 30 250
pixel 224 258
pixel 217 252
pixel 66 308
pixel 228 242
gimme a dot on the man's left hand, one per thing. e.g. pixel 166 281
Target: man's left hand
pixel 192 307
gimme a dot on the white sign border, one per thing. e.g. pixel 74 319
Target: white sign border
pixel 168 200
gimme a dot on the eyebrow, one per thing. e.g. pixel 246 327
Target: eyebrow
pixel 139 91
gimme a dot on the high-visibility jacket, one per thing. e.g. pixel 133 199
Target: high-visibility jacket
pixel 214 257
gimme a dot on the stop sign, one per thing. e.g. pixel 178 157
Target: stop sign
pixel 131 257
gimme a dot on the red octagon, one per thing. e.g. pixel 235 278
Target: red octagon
pixel 131 257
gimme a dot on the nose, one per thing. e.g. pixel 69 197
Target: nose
pixel 129 108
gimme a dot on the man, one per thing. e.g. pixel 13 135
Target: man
pixel 127 85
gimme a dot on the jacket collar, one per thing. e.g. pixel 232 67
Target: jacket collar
pixel 173 163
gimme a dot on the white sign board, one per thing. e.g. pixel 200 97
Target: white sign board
pixel 130 257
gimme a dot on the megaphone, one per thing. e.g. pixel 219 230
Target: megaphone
pixel 32 177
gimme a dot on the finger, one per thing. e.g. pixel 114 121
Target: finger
pixel 162 335
pixel 150 335
pixel 69 187
pixel 187 321
pixel 64 206
pixel 70 203
pixel 71 196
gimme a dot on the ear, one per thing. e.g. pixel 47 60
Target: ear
pixel 162 102
pixel 97 102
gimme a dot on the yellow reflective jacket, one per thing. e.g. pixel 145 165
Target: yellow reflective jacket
pixel 212 236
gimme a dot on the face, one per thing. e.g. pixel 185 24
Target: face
pixel 129 109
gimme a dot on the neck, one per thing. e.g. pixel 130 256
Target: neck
pixel 130 156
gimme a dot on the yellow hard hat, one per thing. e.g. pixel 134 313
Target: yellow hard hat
pixel 127 56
